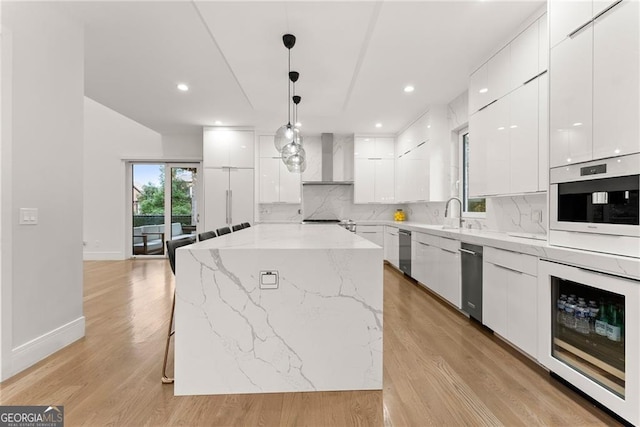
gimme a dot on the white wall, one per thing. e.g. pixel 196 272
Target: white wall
pixel 42 118
pixel 110 139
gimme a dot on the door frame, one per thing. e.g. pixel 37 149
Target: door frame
pixel 128 195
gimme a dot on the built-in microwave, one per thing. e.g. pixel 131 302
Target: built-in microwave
pixel 596 206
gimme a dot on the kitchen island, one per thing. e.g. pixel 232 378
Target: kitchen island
pixel 279 308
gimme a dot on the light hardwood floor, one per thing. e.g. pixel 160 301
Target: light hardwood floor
pixel 439 369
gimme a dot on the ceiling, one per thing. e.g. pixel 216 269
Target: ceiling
pixel 354 59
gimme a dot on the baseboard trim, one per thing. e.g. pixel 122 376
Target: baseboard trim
pixel 45 345
pixel 102 256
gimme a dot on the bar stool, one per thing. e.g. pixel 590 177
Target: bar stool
pixel 246 225
pixel 206 235
pixel 237 227
pixel 172 245
pixel 223 230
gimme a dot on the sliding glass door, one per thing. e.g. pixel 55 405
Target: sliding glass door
pixel 165 205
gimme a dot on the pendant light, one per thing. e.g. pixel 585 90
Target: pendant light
pixel 284 135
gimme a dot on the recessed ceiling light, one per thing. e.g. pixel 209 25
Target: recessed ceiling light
pixel 217 122
pixel 366 139
pixel 616 151
pixel 183 87
pixel 483 90
pixel 577 124
pixel 298 124
pixel 409 88
pixel 378 125
pixel 501 128
pixel 513 126
pixel 569 160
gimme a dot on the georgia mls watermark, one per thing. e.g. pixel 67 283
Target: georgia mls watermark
pixel 31 416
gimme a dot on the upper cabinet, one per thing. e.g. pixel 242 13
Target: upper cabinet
pixel 521 60
pixel 508 134
pixel 373 170
pixel 594 103
pixel 423 159
pixel 276 183
pixel 616 67
pixel 228 148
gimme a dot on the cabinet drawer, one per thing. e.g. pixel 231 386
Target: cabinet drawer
pixel 369 228
pixel 425 238
pixel 523 263
pixel 451 245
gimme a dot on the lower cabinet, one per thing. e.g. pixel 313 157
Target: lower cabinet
pixel 373 233
pixel 435 262
pixel 391 245
pixel 509 297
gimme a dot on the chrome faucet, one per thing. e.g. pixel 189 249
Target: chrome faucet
pixel 446 210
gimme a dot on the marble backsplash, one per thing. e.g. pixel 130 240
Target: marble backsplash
pixel 507 214
pixel 336 201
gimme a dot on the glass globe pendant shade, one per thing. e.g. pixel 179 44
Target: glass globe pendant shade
pixel 297 167
pixel 284 135
pixel 289 150
pixel 296 162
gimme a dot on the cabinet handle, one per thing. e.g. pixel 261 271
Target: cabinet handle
pixel 607 9
pixel 375 158
pixel 492 102
pixel 423 244
pixel 533 78
pixel 367 232
pixel 580 29
pixel 467 251
pixel 226 212
pixel 507 268
pixel 421 144
pixel 230 206
pixel 451 252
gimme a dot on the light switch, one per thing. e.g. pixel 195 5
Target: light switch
pixel 28 216
pixel 269 279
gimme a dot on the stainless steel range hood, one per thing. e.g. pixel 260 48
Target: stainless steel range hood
pixel 337 164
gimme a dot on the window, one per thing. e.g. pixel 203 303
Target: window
pixel 470 206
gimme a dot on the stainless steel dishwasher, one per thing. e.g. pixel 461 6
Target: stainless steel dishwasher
pixel 405 251
pixel 471 259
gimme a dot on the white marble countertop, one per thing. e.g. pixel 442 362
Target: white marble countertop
pixel 618 265
pixel 288 236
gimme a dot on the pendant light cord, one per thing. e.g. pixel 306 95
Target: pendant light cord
pixel 289 91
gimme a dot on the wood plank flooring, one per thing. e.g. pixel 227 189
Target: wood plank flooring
pixel 439 369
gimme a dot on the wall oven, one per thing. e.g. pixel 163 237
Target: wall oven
pixel 595 206
pixel 589 334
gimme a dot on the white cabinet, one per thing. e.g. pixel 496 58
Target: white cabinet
pixel 228 197
pixel 478 139
pixel 570 106
pixel 479 89
pixel 391 245
pixel 374 170
pixel 616 91
pixel 594 82
pixel 276 183
pixel 525 56
pixel 228 148
pixel 508 143
pixel 497 148
pixel 499 72
pixel 435 263
pixel 373 233
pixel 543 132
pixel 424 159
pixel 509 297
pixel 566 16
pixel 508 135
pixel 523 139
